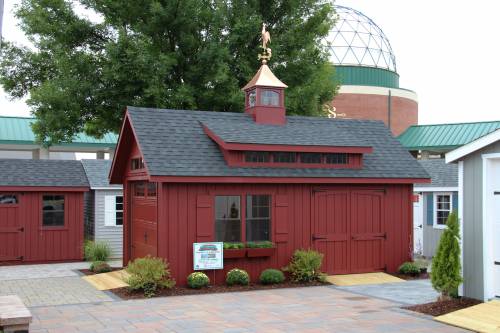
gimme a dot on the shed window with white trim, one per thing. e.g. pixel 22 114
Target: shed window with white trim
pixel 443 204
pixel 113 210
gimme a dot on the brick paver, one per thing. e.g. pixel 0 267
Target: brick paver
pixel 409 292
pixel 314 309
pixel 53 291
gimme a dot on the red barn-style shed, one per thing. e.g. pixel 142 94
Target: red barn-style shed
pixel 342 187
pixel 41 210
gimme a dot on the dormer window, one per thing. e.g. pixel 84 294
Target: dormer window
pixel 284 157
pixel 252 98
pixel 310 158
pixel 336 158
pixel 269 97
pixel 257 157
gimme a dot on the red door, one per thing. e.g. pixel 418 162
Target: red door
pixel 10 229
pixel 348 229
pixel 331 230
pixel 144 223
pixel 367 232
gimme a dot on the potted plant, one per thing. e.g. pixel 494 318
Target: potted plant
pixel 234 250
pixel 260 249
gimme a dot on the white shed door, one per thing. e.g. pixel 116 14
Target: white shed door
pixel 496 226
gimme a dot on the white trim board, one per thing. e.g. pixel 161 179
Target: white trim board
pixel 435 189
pixel 473 146
pixel 372 90
pixel 461 220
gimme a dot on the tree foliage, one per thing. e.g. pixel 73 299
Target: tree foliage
pixel 446 267
pixel 91 58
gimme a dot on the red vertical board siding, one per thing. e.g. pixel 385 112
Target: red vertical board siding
pixel 186 215
pixel 39 244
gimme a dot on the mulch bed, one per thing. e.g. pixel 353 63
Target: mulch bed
pixel 89 272
pixel 125 294
pixel 421 276
pixel 443 307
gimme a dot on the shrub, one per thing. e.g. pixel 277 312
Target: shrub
pixel 305 266
pixel 198 280
pixel 409 268
pixel 148 274
pixel 271 276
pixel 235 245
pixel 100 267
pixel 96 251
pixel 446 268
pixel 237 277
pixel 260 245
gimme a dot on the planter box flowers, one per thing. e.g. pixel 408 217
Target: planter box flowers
pixel 260 249
pixel 234 250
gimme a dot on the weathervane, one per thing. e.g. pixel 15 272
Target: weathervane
pixel 266 51
pixel 332 111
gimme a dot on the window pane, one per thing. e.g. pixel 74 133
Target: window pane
pixel 310 158
pixel 284 157
pixel 227 218
pixel 256 156
pixel 251 98
pixel 8 199
pixel 53 210
pixel 269 97
pixel 151 189
pixel 258 218
pixel 139 189
pixel 336 158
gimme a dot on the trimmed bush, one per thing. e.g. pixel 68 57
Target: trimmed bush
pixel 233 246
pixel 260 245
pixel 96 251
pixel 272 276
pixel 148 274
pixel 446 268
pixel 198 280
pixel 100 267
pixel 237 277
pixel 409 268
pixel 305 266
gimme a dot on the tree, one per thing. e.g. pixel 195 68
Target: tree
pixel 446 267
pixel 91 58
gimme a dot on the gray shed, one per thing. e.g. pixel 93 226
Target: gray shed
pixel 479 213
pixel 103 207
pixel 436 200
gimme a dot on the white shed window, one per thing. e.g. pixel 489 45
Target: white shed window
pixel 113 210
pixel 443 208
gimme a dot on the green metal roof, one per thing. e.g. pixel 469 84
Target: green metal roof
pixel 366 76
pixel 17 131
pixel 445 137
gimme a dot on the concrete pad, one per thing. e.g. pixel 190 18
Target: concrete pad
pixel 110 280
pixel 479 318
pixel 360 279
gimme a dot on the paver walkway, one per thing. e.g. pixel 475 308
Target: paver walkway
pixel 409 292
pixel 313 309
pixel 50 284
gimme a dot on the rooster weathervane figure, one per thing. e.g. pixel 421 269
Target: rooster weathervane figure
pixel 266 51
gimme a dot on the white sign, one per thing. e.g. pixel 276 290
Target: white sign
pixel 207 256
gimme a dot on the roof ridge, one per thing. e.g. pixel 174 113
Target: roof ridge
pixel 17 117
pixel 454 124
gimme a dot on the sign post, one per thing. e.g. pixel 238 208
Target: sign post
pixel 208 256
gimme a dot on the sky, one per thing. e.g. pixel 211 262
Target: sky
pixel 446 51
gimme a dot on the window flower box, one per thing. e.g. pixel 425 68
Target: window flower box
pixel 260 252
pixel 234 253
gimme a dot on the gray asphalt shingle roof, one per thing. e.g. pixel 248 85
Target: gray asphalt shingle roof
pixel 297 132
pixel 97 172
pixel 442 174
pixel 174 144
pixel 53 173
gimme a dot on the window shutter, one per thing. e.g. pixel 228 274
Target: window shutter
pixel 454 200
pixel 204 218
pixel 430 208
pixel 281 206
pixel 110 210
